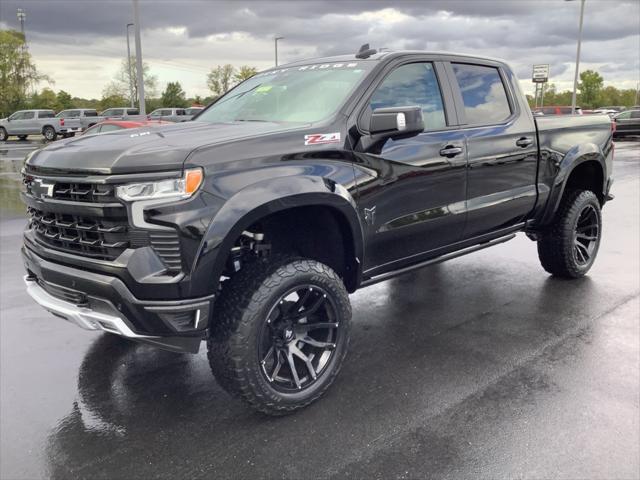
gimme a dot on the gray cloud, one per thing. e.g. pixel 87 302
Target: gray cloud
pixel 523 32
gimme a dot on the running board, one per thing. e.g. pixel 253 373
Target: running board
pixel 442 258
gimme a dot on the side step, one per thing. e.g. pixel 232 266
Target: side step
pixel 442 258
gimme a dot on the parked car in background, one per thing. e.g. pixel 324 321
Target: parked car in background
pixel 191 112
pixel 35 122
pixel 88 117
pixel 627 123
pixel 605 111
pixel 555 110
pixel 616 108
pixel 115 125
pixel 168 114
pixel 122 113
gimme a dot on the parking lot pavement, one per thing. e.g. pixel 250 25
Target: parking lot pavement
pixel 482 367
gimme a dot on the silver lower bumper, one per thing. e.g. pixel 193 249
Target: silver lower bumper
pixel 81 316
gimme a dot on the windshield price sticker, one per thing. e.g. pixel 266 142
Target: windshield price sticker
pixel 322 138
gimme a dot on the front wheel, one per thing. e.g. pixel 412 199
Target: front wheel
pixel 49 134
pixel 280 333
pixel 3 134
pixel 569 247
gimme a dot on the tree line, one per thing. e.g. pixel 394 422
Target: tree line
pixel 591 94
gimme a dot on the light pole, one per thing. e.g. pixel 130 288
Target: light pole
pixel 276 44
pixel 129 66
pixel 136 21
pixel 21 18
pixel 575 78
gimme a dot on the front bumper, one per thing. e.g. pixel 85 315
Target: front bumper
pixel 102 302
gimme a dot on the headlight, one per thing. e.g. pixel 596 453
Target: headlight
pixel 178 188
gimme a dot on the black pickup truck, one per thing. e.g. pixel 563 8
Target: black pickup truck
pixel 249 226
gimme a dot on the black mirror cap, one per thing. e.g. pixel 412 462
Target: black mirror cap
pixel 396 121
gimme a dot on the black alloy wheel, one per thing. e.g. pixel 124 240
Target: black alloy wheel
pixel 568 247
pixel 279 333
pixel 586 235
pixel 298 338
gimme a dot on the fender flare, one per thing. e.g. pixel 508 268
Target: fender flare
pixel 264 198
pixel 575 157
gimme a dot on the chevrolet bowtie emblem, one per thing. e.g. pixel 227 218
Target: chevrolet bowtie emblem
pixel 42 189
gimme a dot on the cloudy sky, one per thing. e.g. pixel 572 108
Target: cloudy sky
pixel 80 43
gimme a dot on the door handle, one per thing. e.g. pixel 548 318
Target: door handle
pixel 450 151
pixel 524 142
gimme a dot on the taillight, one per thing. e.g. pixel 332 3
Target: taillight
pixel 62 122
pixel 613 126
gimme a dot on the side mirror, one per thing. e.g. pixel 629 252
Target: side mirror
pixel 394 122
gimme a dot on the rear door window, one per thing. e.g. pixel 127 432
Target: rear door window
pixel 30 115
pixel 635 114
pixel 90 113
pixel 132 111
pixel 413 84
pixel 483 94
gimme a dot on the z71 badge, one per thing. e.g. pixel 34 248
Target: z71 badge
pixel 322 138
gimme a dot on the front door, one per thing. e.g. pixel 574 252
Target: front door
pixel 502 148
pixel 411 191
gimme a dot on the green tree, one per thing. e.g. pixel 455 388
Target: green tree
pixel 244 72
pixel 174 96
pixel 219 79
pixel 18 73
pixel 64 101
pixel 119 86
pixel 46 99
pixel 590 85
pixel 111 99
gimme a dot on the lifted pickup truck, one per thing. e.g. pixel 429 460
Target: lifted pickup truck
pixel 248 227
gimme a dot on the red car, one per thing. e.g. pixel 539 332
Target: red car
pixel 113 125
pixel 555 110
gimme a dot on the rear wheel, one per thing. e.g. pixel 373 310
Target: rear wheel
pixel 280 333
pixel 3 134
pixel 569 247
pixel 49 134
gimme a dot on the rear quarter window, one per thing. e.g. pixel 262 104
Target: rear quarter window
pixel 132 112
pixel 483 94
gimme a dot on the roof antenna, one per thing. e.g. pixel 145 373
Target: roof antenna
pixel 365 51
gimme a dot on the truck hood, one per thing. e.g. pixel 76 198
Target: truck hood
pixel 152 148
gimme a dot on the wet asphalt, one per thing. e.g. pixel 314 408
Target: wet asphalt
pixel 481 367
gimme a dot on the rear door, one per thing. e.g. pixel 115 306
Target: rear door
pixel 28 124
pixel 501 146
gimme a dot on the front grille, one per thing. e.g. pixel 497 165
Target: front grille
pixel 96 237
pixel 88 219
pixel 84 192
pixel 63 293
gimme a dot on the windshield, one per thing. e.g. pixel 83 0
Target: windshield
pixel 305 94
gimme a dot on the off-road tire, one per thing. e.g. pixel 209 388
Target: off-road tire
pixel 49 134
pixel 556 244
pixel 241 310
pixel 3 134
